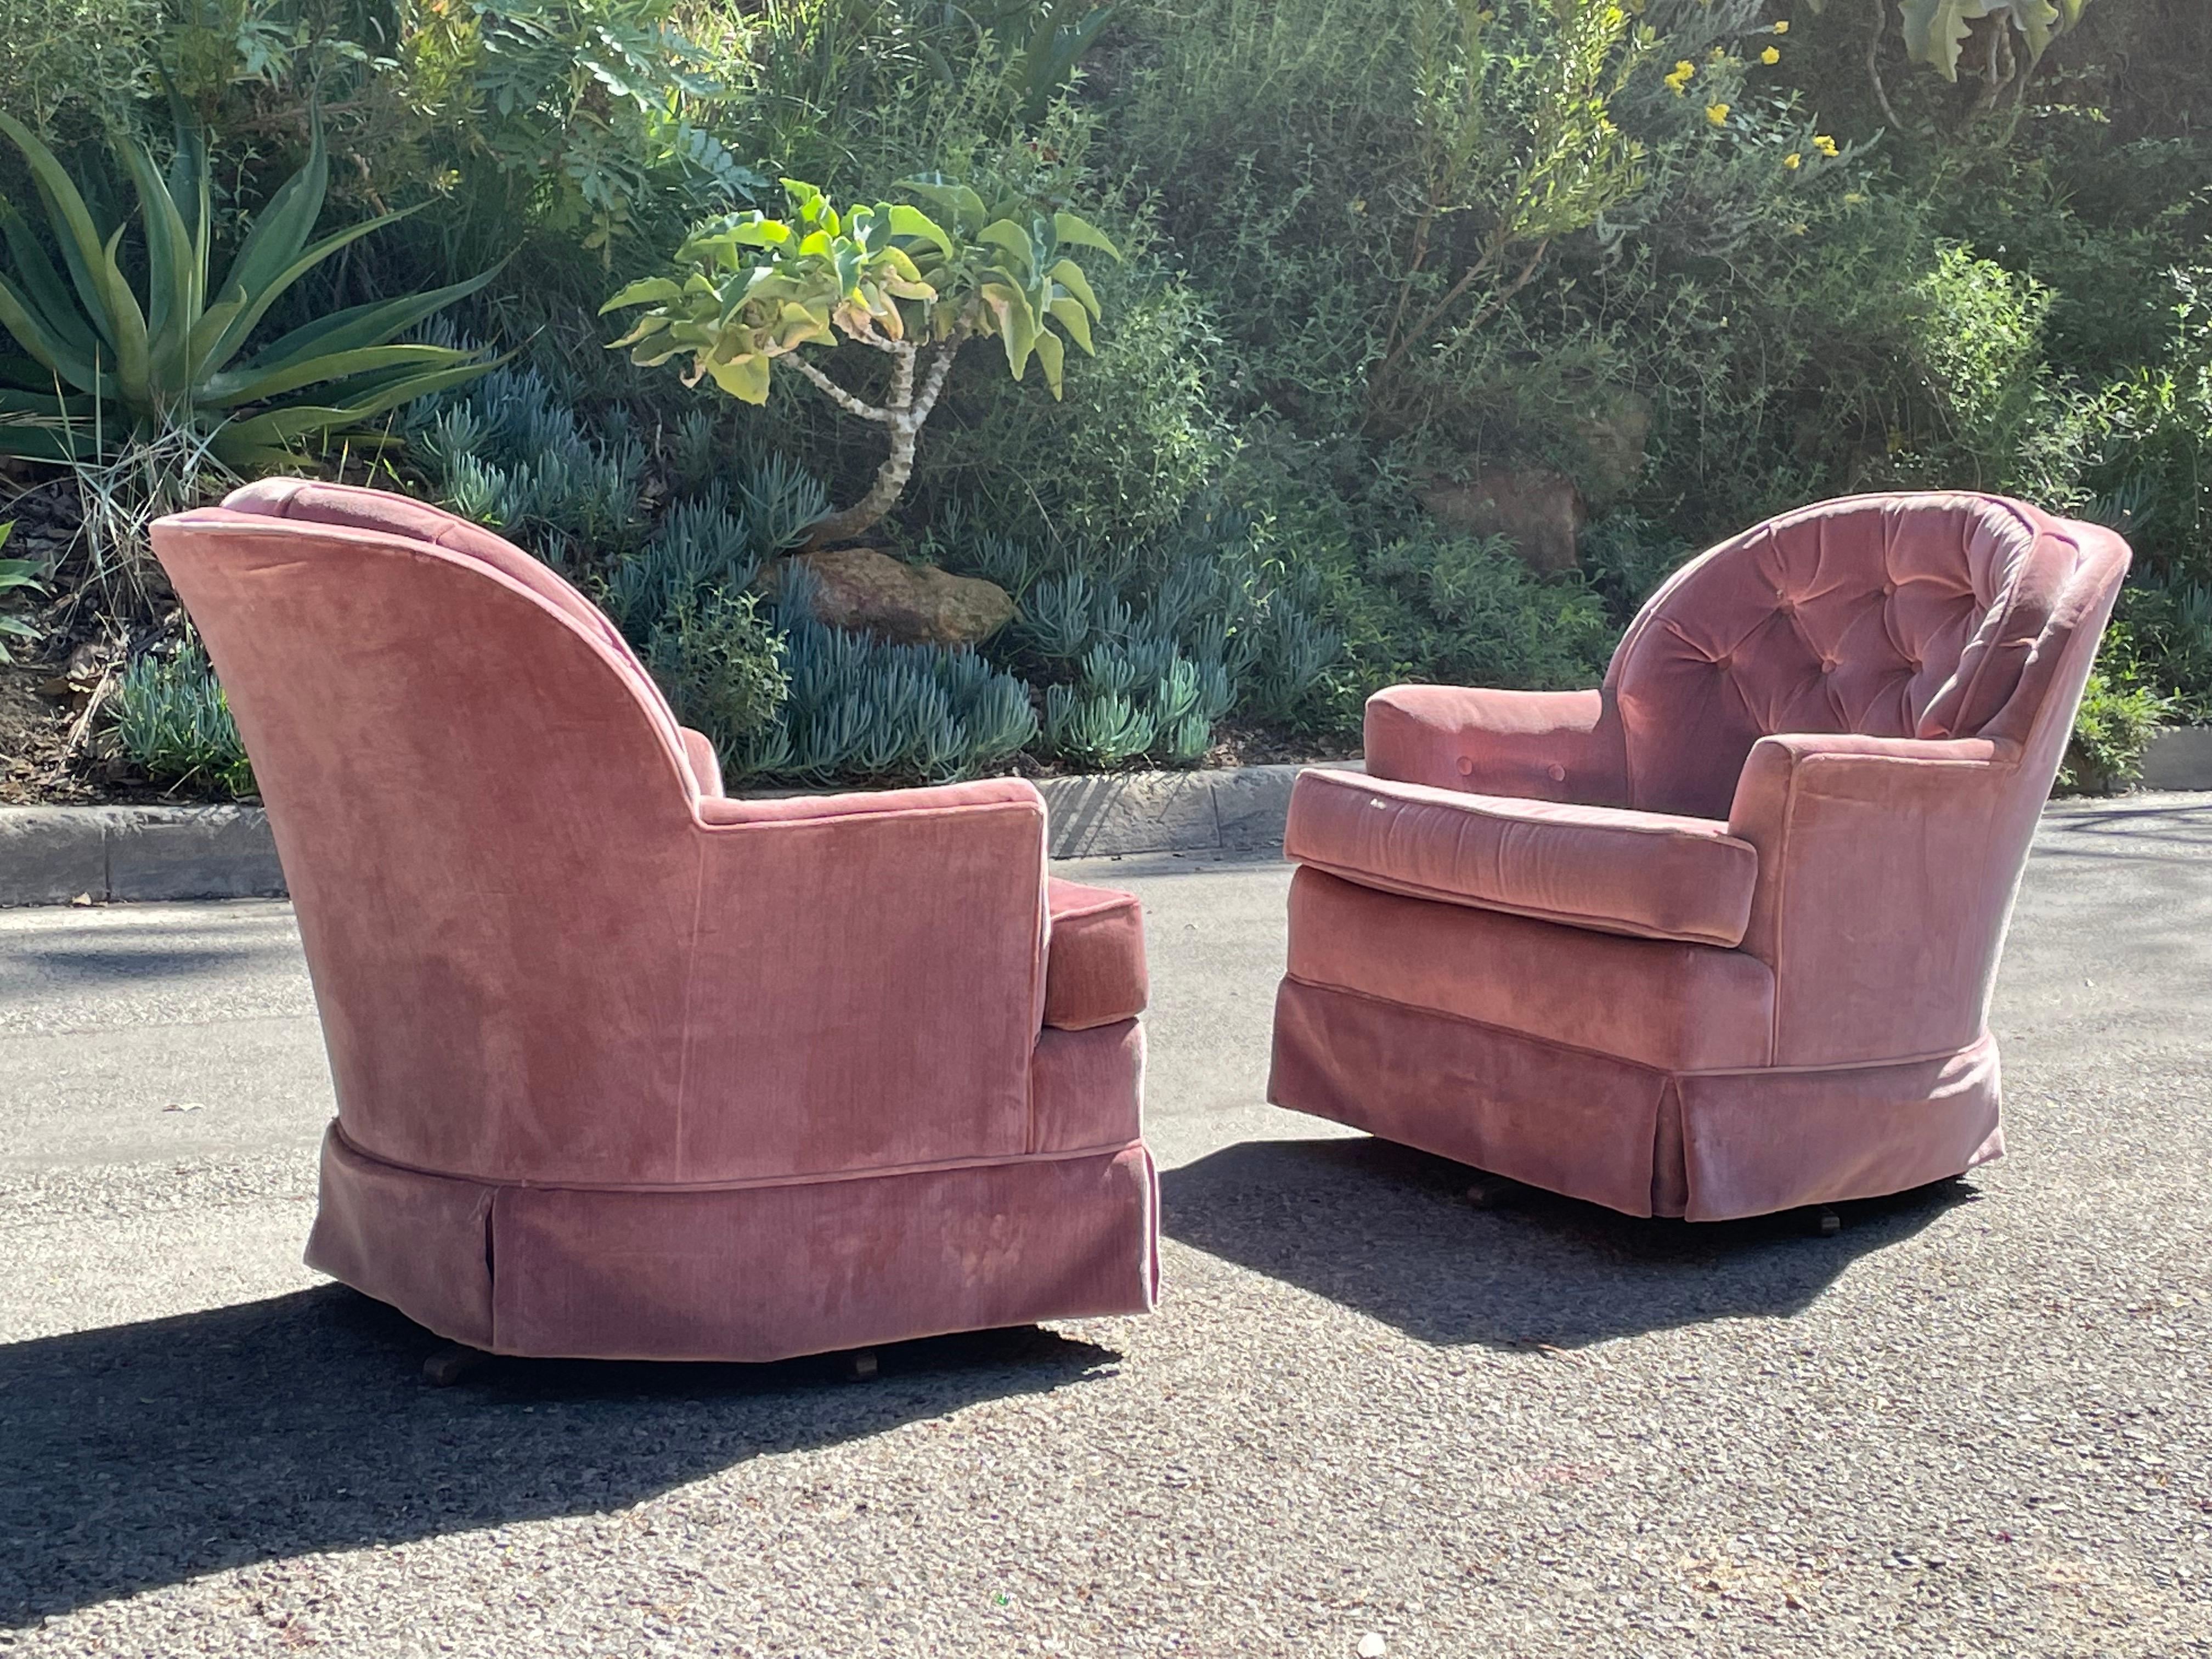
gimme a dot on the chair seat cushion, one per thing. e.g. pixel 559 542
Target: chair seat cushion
pixel 1650 875
pixel 1095 971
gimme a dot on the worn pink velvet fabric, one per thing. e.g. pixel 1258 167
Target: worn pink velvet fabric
pixel 1717 937
pixel 624 1068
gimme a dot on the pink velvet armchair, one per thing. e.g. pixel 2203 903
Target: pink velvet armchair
pixel 627 1069
pixel 1718 938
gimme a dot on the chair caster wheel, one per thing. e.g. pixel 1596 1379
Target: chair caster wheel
pixel 858 1366
pixel 452 1364
pixel 1822 1221
pixel 1490 1192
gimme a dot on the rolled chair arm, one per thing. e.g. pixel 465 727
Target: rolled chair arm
pixel 874 802
pixel 1539 745
pixel 699 755
pixel 1887 870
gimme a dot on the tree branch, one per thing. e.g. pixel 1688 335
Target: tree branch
pixel 1389 364
pixel 837 394
pixel 1874 64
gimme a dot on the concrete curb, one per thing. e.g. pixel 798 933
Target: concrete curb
pixel 55 854
pixel 2178 759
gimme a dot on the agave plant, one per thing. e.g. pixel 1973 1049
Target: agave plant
pixel 754 290
pixel 108 362
pixel 13 573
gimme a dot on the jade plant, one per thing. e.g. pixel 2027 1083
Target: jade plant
pixel 753 290
pixel 115 355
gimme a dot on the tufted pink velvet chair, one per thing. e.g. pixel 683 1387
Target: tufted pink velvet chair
pixel 1718 938
pixel 624 1068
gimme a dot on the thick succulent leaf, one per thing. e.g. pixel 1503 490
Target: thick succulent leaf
pixel 1050 355
pixel 913 221
pixel 174 276
pixel 113 308
pixel 213 320
pixel 645 291
pixel 44 290
pixel 1069 275
pixel 1014 322
pixel 295 421
pixel 955 200
pixel 1069 313
pixel 1936 29
pixel 29 331
pixel 25 439
pixel 281 229
pixel 745 379
pixel 247 386
pixel 372 325
pixel 226 345
pixel 1012 240
pixel 44 404
pixel 1081 233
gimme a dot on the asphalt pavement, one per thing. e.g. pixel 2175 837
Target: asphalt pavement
pixel 1978 1421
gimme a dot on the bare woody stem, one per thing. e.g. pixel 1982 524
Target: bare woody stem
pixel 907 408
pixel 1429 319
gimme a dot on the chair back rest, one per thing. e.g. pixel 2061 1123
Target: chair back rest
pixel 1897 615
pixel 481 802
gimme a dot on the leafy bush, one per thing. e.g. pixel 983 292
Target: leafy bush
pixel 2112 733
pixel 1465 611
pixel 173 719
pixel 89 53
pixel 722 666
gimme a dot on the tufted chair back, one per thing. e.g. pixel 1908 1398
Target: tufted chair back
pixel 1908 616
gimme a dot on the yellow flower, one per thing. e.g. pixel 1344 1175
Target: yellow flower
pixel 1717 55
pixel 1782 27
pixel 1678 80
pixel 1770 55
pixel 1793 161
pixel 1717 114
pixel 1825 144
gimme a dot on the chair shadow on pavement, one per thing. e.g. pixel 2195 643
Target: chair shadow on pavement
pixel 1387 1231
pixel 141 1456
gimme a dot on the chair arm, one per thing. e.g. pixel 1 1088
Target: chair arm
pixel 873 802
pixel 1539 746
pixel 868 979
pixel 699 754
pixel 1886 871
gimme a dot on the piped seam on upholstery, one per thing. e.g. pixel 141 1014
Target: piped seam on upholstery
pixel 1987 1040
pixel 1672 832
pixel 1618 929
pixel 812 1178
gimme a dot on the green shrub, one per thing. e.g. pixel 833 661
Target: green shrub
pixel 173 721
pixel 2111 732
pixel 1465 611
pixel 722 666
pixel 861 709
pixel 89 53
